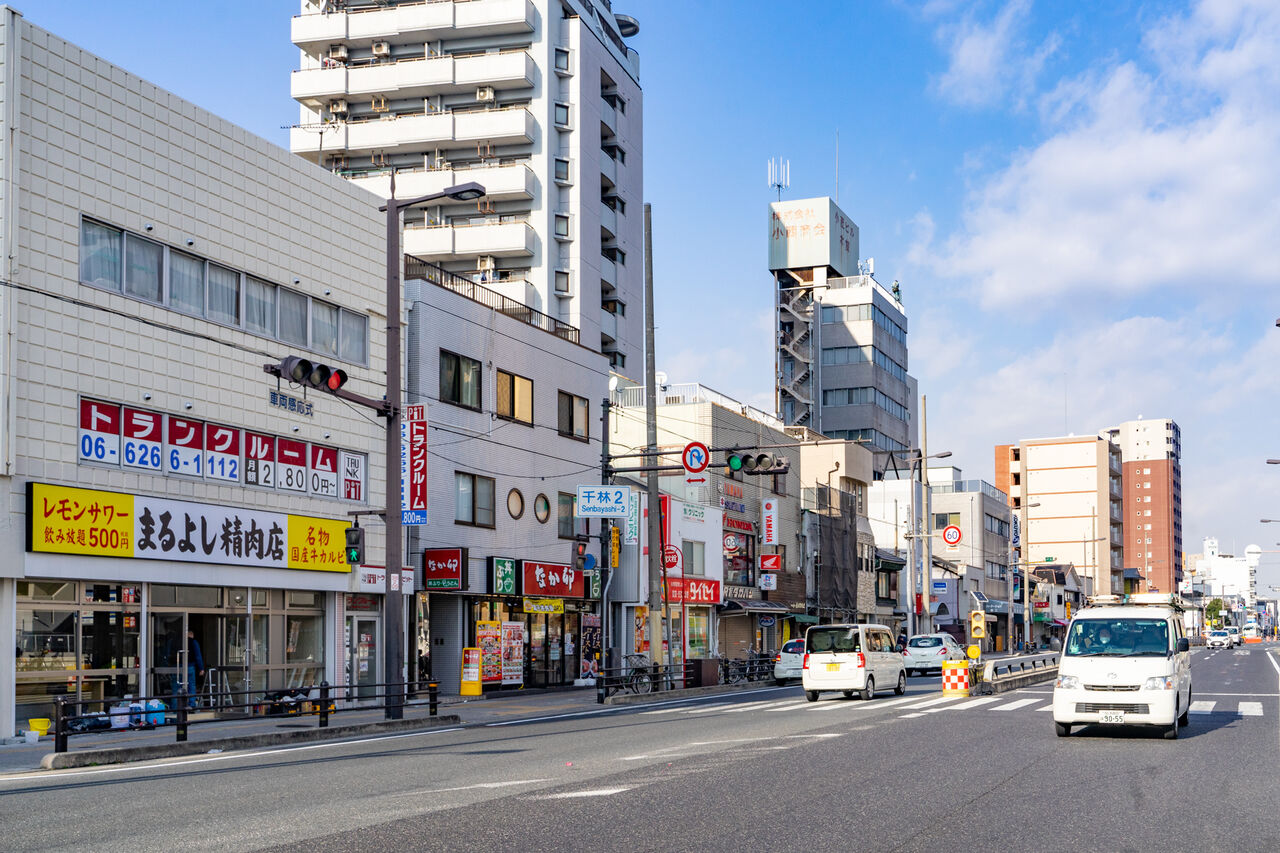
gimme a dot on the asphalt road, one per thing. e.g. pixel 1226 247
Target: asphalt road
pixel 764 770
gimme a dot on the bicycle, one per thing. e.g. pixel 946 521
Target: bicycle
pixel 639 678
pixel 732 671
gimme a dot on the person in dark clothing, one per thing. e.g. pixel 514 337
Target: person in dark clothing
pixel 195 665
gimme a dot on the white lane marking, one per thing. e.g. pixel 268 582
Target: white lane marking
pixel 1202 707
pixel 1251 709
pixel 931 702
pixel 1048 707
pixel 790 706
pixel 756 707
pixel 972 703
pixel 471 787
pixel 568 795
pixel 819 735
pixel 909 716
pixel 1015 705
pixel 717 707
pixel 620 708
pixel 225 756
pixel 663 711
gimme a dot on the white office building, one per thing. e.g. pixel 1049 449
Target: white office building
pixel 1228 576
pixel 537 100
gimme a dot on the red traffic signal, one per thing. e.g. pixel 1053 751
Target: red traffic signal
pixel 309 374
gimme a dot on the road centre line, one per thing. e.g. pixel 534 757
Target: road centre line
pixel 471 787
pixel 568 795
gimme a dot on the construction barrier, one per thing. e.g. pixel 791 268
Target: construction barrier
pixel 955 678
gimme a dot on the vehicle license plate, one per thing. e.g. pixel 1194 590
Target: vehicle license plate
pixel 833 667
pixel 1111 717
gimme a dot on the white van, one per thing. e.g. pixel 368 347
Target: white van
pixel 1125 661
pixel 849 658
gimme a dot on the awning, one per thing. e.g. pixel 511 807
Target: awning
pixel 805 618
pixel 1132 575
pixel 1059 623
pixel 751 605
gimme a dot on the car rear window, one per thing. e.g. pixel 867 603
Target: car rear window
pixel 924 642
pixel 1217 633
pixel 795 647
pixel 833 640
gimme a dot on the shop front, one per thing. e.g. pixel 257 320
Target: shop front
pixel 132 595
pixel 536 623
pixel 748 623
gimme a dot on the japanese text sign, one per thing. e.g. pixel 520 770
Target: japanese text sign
pixel 693 591
pixel 769 522
pixel 413 466
pixel 603 502
pixel 67 520
pixel 444 569
pixel 503 579
pixel 552 579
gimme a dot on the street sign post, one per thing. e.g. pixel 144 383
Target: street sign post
pixel 695 458
pixel 603 502
pixel 951 535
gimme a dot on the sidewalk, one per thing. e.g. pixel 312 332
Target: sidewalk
pixel 16 758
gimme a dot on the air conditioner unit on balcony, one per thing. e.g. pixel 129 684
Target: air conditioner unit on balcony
pixel 338 107
pixel 381 48
pixel 338 52
pixel 486 263
pixel 485 93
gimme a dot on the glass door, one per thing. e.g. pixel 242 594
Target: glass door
pixel 362 656
pixel 169 675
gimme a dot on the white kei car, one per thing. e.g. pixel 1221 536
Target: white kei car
pixel 928 651
pixel 789 663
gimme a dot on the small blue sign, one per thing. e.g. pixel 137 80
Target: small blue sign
pixel 939 586
pixel 413 516
pixel 589 562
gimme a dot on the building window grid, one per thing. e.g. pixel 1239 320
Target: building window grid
pixel 460 380
pixel 123 262
pixel 473 500
pixel 572 414
pixel 866 396
pixel 514 397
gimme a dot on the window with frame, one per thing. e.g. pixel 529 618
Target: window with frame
pixel 572 416
pixel 562 59
pixel 779 484
pixel 945 519
pixel 564 515
pixel 695 557
pixel 473 499
pixel 459 380
pixel 562 115
pixel 515 397
pixel 562 226
pixel 562 281
pixel 562 169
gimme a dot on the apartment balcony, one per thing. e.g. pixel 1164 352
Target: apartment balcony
pixel 442 242
pixel 608 222
pixel 510 182
pixel 415 131
pixel 414 78
pixel 608 169
pixel 608 272
pixel 608 120
pixel 413 24
pixel 513 69
pixel 609 325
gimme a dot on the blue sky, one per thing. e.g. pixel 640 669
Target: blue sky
pixel 1080 200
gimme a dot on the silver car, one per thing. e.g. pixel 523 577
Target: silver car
pixel 789 663
pixel 1218 640
pixel 928 651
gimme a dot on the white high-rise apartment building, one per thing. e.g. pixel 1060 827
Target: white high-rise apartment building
pixel 537 100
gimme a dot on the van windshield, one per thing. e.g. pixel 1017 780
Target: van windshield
pixel 1118 638
pixel 833 640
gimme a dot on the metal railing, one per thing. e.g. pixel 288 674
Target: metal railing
pixel 681 393
pixel 1011 667
pixel 75 716
pixel 420 269
pixel 640 675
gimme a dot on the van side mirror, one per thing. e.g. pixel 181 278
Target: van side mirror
pixel 1184 645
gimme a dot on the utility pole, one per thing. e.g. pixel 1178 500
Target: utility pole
pixel 927 580
pixel 651 440
pixel 606 540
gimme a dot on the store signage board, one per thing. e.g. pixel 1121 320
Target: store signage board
pixel 543 605
pixel 671 558
pixel 373 579
pixel 503 578
pixel 552 579
pixel 259 460
pixel 603 502
pixel 99 432
pixel 768 581
pixel 186 447
pixel 739 524
pixel 413 466
pixel 66 520
pixel 770 562
pixel 222 452
pixel 444 569
pixel 291 465
pixel 769 522
pixel 143 438
pixel 686 590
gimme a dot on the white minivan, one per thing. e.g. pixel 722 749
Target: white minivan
pixel 849 658
pixel 1125 661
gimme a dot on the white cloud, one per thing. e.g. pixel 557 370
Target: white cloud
pixel 1153 180
pixel 989 61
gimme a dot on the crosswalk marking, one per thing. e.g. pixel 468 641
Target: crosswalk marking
pixel 755 706
pixel 1016 704
pixel 972 703
pixel 1202 707
pixel 719 707
pixel 1048 707
pixel 932 702
pixel 1251 709
pixel 789 706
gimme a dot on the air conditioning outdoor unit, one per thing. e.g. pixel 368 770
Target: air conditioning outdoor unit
pixel 486 263
pixel 338 52
pixel 338 107
pixel 381 48
pixel 485 93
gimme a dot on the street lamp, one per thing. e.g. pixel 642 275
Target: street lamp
pixel 393 619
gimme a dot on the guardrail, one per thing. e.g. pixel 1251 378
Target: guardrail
pixel 76 716
pixel 999 669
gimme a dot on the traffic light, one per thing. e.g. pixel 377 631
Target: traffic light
pixel 754 462
pixel 977 624
pixel 580 545
pixel 309 374
pixel 355 545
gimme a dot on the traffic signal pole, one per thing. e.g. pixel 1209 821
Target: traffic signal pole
pixel 651 439
pixel 393 598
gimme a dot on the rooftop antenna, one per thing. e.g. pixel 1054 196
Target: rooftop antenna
pixel 779 175
pixel 837 165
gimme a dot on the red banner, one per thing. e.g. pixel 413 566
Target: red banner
pixel 553 580
pixel 444 569
pixel 693 591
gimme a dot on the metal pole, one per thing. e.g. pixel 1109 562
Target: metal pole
pixel 606 541
pixel 651 440
pixel 393 604
pixel 911 561
pixel 926 582
pixel 1027 622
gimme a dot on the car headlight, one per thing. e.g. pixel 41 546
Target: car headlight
pixel 1067 682
pixel 1160 682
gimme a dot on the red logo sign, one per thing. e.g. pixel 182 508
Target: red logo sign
pixel 770 562
pixel 693 591
pixel 141 425
pixel 671 558
pixel 444 568
pixel 557 580
pixel 99 417
pixel 185 433
pixel 260 447
pixel 738 524
pixel 292 452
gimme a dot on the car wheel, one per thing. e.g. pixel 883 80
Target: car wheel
pixel 869 692
pixel 811 695
pixel 848 694
pixel 902 684
pixel 1062 729
pixel 1171 733
pixel 1185 719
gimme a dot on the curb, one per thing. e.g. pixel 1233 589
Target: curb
pixel 687 692
pixel 123 755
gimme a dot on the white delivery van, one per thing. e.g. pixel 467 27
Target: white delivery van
pixel 1125 661
pixel 849 658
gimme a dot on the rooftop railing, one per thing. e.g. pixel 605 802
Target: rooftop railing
pixel 692 392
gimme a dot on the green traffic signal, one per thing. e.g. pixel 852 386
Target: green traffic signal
pixel 735 461
pixel 355 545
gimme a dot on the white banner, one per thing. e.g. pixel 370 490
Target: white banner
pixel 769 522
